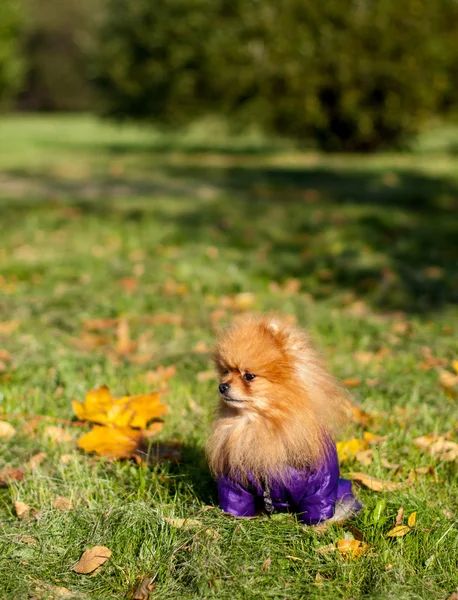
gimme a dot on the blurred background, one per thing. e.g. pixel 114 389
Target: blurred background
pixel 324 134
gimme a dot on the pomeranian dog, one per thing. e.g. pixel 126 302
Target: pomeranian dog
pixel 272 444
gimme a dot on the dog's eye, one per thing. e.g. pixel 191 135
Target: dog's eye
pixel 248 376
pixel 225 372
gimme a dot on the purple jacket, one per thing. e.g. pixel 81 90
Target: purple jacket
pixel 312 494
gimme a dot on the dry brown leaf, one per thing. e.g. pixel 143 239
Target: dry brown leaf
pixel 36 460
pixel 400 516
pixel 9 474
pixel 438 447
pixel 449 382
pixel 124 345
pixel 351 382
pixel 377 485
pixel 351 548
pixel 91 559
pixel 58 434
pixel 166 319
pixel 5 355
pixel 22 509
pixel 357 414
pixel 411 521
pixel 389 465
pixel 144 587
pixel 62 503
pixel 294 558
pixel 239 302
pixel 7 431
pixel 205 376
pixel 266 564
pixel 161 375
pixel 100 324
pixel 365 457
pixel 26 539
pixel 398 531
pixel 128 284
pixel 201 347
pixel 112 442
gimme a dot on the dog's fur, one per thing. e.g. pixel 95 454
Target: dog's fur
pixel 283 418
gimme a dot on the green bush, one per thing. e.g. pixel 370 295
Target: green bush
pixel 11 66
pixel 352 76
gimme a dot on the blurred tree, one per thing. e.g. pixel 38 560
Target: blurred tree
pixel 57 41
pixel 360 75
pixel 11 65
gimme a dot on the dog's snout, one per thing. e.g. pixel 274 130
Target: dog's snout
pixel 223 387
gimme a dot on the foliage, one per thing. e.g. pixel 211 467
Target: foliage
pixel 11 64
pixel 57 40
pixel 363 76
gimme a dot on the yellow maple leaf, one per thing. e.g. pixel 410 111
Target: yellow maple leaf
pixel 350 448
pixel 351 548
pixel 112 442
pixel 129 411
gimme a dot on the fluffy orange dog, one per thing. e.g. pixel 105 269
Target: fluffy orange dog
pixel 272 444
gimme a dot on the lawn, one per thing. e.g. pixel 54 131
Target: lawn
pixel 173 235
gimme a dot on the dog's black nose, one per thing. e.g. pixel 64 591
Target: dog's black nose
pixel 223 387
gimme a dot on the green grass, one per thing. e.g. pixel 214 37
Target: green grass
pixel 373 241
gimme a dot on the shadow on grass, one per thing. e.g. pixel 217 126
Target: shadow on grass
pixel 391 238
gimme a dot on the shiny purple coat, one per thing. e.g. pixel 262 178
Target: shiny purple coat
pixel 311 494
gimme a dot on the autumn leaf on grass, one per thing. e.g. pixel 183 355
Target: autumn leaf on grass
pixel 356 414
pixel 438 447
pixel 449 383
pixel 357 446
pixel 112 442
pixel 91 559
pixel 351 548
pixel 7 431
pixel 192 524
pixel 398 531
pixel 377 485
pixel 129 411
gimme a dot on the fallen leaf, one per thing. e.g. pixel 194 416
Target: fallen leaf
pixel 239 302
pixel 205 376
pixel 153 430
pixel 326 549
pixel 58 434
pixel 9 474
pixel 377 485
pixel 350 448
pixel 267 564
pixel 5 355
pixel 351 548
pixel 294 558
pixel 144 587
pixel 91 559
pixel 161 375
pixel 399 516
pixel 398 531
pixel 7 431
pixel 374 439
pixel 365 457
pixel 65 459
pixel 22 509
pixel 412 519
pixel 438 447
pixel 389 465
pixel 129 411
pixel 449 382
pixel 352 382
pixel 7 327
pixel 166 319
pixel 357 414
pixel 128 284
pixel 192 524
pixel 100 324
pixel 201 347
pixel 62 503
pixel 124 345
pixel 26 539
pixel 455 365
pixel 36 460
pixel 112 442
